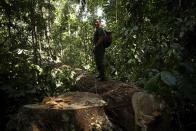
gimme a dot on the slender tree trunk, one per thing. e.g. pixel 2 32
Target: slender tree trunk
pixel 69 29
pixel 40 49
pixel 116 10
pixel 60 42
pixel 47 30
pixel 8 11
pixel 180 3
pixel 34 38
pixel 34 45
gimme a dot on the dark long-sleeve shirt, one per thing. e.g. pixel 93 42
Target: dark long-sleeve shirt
pixel 98 33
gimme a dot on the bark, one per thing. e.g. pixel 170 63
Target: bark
pixel 73 111
pixel 129 107
pixel 98 106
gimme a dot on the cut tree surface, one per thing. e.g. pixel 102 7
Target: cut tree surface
pixel 74 111
pixel 74 100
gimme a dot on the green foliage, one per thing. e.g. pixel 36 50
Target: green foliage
pixel 53 81
pixel 153 47
pixel 168 78
pixel 72 36
pixel 152 40
pixel 152 84
pixel 64 78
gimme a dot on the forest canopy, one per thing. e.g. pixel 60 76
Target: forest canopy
pixel 153 47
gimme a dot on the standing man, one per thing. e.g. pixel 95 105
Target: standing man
pixel 99 50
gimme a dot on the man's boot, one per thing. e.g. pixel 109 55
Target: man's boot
pixel 98 76
pixel 102 78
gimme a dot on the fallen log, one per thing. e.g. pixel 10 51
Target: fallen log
pixel 88 82
pixel 129 107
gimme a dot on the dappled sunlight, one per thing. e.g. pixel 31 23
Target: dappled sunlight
pixel 50 47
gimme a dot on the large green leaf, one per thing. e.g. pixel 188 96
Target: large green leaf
pixel 168 78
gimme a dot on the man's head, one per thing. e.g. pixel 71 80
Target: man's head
pixel 97 22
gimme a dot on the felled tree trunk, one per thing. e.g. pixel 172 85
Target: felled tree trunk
pixel 75 111
pixel 88 82
pixel 129 106
pixel 118 96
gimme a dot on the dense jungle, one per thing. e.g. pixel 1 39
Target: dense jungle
pixel 153 47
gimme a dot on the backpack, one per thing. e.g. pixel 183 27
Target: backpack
pixel 108 38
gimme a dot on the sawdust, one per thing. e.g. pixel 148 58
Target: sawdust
pixel 74 100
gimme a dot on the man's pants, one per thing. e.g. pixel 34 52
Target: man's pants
pixel 99 60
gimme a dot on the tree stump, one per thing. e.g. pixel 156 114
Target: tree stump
pixel 74 111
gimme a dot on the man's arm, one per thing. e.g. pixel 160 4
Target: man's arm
pixel 98 42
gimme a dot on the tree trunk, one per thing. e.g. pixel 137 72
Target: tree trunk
pixel 129 107
pixel 124 107
pixel 73 111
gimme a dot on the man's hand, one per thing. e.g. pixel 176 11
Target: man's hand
pixel 98 43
